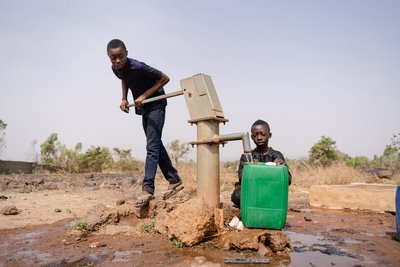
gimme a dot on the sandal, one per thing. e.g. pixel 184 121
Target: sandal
pixel 143 199
pixel 173 189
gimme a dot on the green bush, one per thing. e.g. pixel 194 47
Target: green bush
pixel 123 160
pixel 359 162
pixel 324 152
pixel 95 159
pixel 80 225
pixel 58 157
pixel 148 228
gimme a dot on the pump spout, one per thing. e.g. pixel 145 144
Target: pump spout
pixel 247 147
pixel 238 136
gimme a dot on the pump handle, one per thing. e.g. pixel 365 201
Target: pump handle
pixel 176 93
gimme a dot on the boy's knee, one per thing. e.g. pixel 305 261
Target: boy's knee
pixel 235 197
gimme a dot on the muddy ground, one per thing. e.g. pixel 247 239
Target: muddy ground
pixel 49 205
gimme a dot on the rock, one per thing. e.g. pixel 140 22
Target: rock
pixel 100 215
pixel 51 186
pixel 142 212
pixel 264 250
pixel 155 206
pixel 120 202
pixel 160 226
pixel 9 210
pixel 354 196
pixel 252 238
pixel 307 218
pixel 2 197
pixel 385 174
pixel 278 240
pixel 57 210
pixel 189 222
pixel 125 210
pixel 240 240
pixel 35 182
pixel 147 211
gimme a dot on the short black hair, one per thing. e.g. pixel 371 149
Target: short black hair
pixel 115 43
pixel 261 122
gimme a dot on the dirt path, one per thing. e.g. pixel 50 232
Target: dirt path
pixel 40 234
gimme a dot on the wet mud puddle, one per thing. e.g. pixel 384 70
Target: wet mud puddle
pixel 317 250
pixel 44 246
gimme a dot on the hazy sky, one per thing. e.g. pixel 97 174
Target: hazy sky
pixel 309 68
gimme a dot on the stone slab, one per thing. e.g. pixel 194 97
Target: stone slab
pixel 355 196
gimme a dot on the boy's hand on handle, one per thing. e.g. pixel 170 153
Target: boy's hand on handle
pixel 124 106
pixel 138 101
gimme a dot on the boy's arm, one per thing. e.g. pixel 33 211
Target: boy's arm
pixel 280 160
pixel 242 161
pixel 124 103
pixel 149 92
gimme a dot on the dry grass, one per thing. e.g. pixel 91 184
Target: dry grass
pixel 335 174
pixel 303 177
pixel 188 173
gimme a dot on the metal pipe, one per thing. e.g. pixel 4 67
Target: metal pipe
pixel 218 139
pixel 208 177
pixel 237 136
pixel 208 187
pixel 176 93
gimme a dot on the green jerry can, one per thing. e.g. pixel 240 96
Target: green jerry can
pixel 264 196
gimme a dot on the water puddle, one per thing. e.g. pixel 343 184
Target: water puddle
pixel 123 256
pixel 306 240
pixel 38 256
pixel 27 236
pixel 316 250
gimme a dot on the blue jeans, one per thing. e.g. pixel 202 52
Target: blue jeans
pixel 153 123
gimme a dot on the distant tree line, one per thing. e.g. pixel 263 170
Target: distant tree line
pixel 325 153
pixel 56 156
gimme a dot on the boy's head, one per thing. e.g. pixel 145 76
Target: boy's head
pixel 260 133
pixel 116 51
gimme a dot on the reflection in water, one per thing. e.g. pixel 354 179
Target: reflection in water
pixel 316 250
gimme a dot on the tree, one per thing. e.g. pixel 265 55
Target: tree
pixel 359 162
pixel 177 150
pixel 57 156
pixel 49 150
pixel 122 154
pixel 96 159
pixel 123 160
pixel 391 154
pixel 393 149
pixel 324 152
pixel 3 127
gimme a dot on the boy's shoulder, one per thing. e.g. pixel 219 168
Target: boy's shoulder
pixel 272 151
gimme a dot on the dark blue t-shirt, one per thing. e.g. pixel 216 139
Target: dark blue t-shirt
pixel 139 77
